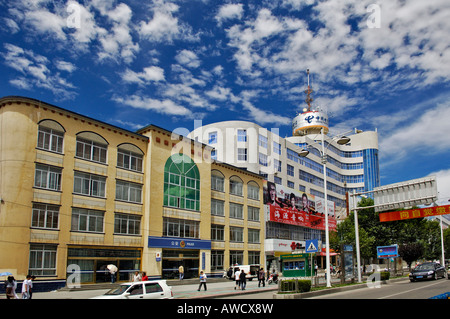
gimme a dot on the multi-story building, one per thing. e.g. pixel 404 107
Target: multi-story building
pixel 80 194
pixel 352 166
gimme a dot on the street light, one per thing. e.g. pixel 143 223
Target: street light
pixel 341 141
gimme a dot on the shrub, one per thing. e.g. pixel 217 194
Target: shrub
pixel 295 286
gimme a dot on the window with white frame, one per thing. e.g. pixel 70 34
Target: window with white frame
pixel 48 177
pixel 253 236
pixel 253 213
pixel 290 170
pixel 242 154
pixel 129 192
pixel 217 207
pixel 217 232
pixel 45 216
pixel 242 135
pixel 50 139
pixel 173 227
pixel 236 186
pixel 42 260
pixel 91 150
pixel 129 160
pixel 212 138
pixel 277 148
pixel 262 159
pixel 236 234
pixel 217 181
pixel 127 224
pixel 262 141
pixel 277 165
pixel 87 220
pixel 89 184
pixel 236 211
pixel 253 191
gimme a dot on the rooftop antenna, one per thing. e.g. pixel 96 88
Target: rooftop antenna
pixel 308 92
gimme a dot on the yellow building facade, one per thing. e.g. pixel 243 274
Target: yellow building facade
pixel 78 194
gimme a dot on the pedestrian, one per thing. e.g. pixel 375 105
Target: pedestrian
pixel 144 276
pixel 236 278
pixel 26 288
pixel 261 277
pixel 32 278
pixel 11 286
pixel 202 280
pixel 181 272
pixel 243 279
pixel 113 275
pixel 136 276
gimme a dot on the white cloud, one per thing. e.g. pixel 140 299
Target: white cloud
pixel 229 11
pixel 188 58
pixel 149 74
pixel 166 106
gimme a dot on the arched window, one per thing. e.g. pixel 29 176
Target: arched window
pixel 50 136
pixel 236 186
pixel 253 190
pixel 181 183
pixel 92 147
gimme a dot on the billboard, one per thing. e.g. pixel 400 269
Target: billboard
pixel 387 251
pixel 421 191
pixel 288 206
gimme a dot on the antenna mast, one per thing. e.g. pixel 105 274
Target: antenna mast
pixel 308 92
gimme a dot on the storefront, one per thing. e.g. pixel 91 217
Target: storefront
pixel 187 252
pixel 93 262
pixel 296 265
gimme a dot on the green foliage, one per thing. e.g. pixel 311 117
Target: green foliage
pixel 294 286
pixel 373 233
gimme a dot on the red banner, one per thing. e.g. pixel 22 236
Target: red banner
pixel 300 218
pixel 414 213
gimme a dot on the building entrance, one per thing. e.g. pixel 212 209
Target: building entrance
pixel 172 259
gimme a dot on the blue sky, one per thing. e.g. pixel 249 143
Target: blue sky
pixel 168 63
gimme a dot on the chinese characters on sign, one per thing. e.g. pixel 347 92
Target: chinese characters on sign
pixel 414 213
pixel 287 206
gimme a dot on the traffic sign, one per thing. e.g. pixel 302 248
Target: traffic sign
pixel 312 246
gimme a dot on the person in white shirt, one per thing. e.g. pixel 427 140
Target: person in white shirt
pixel 26 285
pixel 237 279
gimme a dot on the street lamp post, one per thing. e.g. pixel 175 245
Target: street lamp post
pixel 341 141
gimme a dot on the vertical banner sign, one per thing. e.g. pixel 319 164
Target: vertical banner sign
pixel 288 206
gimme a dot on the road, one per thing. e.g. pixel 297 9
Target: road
pixel 402 289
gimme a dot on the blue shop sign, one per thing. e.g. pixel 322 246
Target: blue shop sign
pixel 178 243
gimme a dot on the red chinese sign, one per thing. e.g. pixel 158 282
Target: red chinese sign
pixel 414 213
pixel 300 218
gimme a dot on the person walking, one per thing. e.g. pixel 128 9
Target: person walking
pixel 243 279
pixel 202 280
pixel 236 278
pixel 26 287
pixel 181 272
pixel 11 286
pixel 261 277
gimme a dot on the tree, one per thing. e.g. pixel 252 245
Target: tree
pixel 410 252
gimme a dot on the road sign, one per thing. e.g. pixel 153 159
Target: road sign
pixel 312 246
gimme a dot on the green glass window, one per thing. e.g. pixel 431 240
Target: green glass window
pixel 181 183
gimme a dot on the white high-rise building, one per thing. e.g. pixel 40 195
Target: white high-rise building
pixel 352 166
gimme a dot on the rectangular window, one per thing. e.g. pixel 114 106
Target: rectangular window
pixel 242 135
pixel 173 227
pixel 253 236
pixel 127 224
pixel 236 257
pixel 89 184
pixel 236 211
pixel 45 216
pixel 262 141
pixel 254 257
pixel 87 220
pixel 262 159
pixel 50 140
pixel 242 154
pixel 217 259
pixel 129 160
pixel 42 260
pixel 217 232
pixel 236 234
pixel 91 151
pixel 253 213
pixel 277 165
pixel 277 180
pixel 290 184
pixel 47 177
pixel 217 207
pixel 129 192
pixel 277 148
pixel 290 170
pixel 212 138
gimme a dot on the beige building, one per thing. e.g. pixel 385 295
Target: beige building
pixel 78 194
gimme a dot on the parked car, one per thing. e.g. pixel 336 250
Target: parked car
pixel 154 289
pixel 429 270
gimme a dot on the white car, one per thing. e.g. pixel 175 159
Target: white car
pixel 154 289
